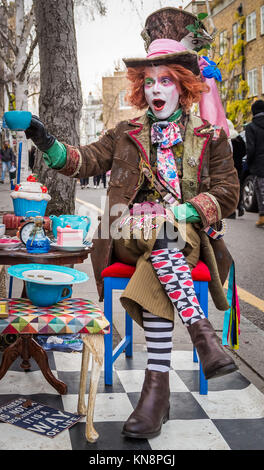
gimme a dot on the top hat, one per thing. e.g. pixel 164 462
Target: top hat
pixel 172 36
pixel 177 24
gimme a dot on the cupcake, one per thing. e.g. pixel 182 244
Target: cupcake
pixel 30 198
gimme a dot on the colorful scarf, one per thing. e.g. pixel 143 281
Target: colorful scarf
pixel 165 138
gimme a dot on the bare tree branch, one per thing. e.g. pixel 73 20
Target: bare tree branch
pixel 8 42
pixel 28 24
pixel 4 5
pixel 22 73
pixel 7 63
pixel 33 94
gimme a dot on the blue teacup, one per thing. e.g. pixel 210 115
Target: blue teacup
pixel 45 295
pixel 18 120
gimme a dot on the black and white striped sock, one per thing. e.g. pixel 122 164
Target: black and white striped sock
pixel 158 333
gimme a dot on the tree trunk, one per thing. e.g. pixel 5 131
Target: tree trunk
pixel 60 100
pixel 21 84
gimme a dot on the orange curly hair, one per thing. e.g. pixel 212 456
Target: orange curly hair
pixel 191 86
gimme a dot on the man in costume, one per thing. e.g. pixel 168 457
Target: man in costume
pixel 171 171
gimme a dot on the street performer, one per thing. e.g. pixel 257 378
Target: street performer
pixel 172 173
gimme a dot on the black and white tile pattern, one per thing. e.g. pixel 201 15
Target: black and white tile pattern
pixel 231 416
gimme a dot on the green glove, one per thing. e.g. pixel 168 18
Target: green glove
pixel 55 157
pixel 186 213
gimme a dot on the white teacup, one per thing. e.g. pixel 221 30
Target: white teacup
pixel 2 230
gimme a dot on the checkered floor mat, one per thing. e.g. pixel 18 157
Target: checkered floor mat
pixel 231 416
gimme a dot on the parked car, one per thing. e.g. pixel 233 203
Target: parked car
pixel 249 194
pixel 248 186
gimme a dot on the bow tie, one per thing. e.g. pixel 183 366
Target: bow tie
pixel 165 134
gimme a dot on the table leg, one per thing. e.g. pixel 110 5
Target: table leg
pixel 25 354
pixel 94 344
pixel 41 358
pixel 9 356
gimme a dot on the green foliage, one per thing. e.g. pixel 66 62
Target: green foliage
pixel 238 111
pixel 234 89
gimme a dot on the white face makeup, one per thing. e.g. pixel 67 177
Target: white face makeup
pixel 161 92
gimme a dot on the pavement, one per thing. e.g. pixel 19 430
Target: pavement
pixel 249 356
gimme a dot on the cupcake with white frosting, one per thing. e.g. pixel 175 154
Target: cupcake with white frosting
pixel 30 198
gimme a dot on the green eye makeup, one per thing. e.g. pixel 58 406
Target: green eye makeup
pixel 149 81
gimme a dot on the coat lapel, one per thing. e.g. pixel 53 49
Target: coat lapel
pixel 197 135
pixel 140 135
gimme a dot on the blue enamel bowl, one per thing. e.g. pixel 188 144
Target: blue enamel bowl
pixel 43 295
pixel 18 120
pixel 47 284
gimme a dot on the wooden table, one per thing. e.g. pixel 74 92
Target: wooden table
pixel 25 345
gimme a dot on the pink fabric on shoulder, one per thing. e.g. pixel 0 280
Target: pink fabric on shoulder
pixel 211 107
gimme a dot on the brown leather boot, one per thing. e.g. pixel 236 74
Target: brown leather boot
pixel 215 361
pixel 152 409
pixel 260 222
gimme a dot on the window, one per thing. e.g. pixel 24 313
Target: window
pixel 251 26
pixel 253 82
pixel 235 33
pixel 122 102
pixel 222 42
pixel 223 89
pixel 237 95
pixel 262 19
pixel 262 69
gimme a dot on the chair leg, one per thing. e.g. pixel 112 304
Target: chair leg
pixel 82 408
pixel 202 295
pixel 204 305
pixel 95 345
pixel 108 339
pixel 129 334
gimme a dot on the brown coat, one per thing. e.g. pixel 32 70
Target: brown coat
pixel 215 197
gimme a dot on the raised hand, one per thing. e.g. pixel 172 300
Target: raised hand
pixel 39 134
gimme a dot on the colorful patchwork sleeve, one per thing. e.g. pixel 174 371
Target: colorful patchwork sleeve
pixel 208 208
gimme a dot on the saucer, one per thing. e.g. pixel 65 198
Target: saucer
pixel 47 274
pixel 84 246
pixel 9 243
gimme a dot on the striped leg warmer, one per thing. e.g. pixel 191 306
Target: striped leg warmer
pixel 158 333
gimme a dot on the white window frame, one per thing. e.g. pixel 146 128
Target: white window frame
pixel 222 42
pixel 251 26
pixel 262 75
pixel 122 102
pixel 235 33
pixel 224 89
pixel 253 82
pixel 262 19
pixel 236 86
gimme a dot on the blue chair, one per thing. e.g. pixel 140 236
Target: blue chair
pixel 116 277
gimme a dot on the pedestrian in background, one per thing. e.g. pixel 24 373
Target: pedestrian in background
pixel 84 182
pixel 7 158
pixel 103 177
pixel 96 181
pixel 31 157
pixel 255 154
pixel 239 151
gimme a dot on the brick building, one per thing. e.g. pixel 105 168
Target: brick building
pixel 242 19
pixel 115 107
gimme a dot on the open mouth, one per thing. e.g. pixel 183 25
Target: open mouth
pixel 158 105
